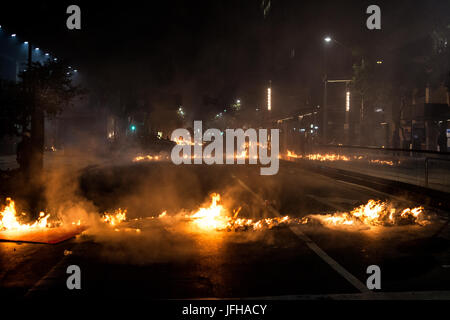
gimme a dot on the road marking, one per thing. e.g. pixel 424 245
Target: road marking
pixel 314 247
pixel 327 202
pixel 49 277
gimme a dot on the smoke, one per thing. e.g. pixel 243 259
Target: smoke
pixel 147 189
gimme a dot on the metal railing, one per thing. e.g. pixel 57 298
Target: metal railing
pixel 429 169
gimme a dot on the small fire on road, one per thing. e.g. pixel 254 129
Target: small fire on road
pixel 147 157
pixel 214 216
pixel 332 157
pixel 375 213
pixel 116 217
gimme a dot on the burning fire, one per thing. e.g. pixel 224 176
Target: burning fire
pixel 9 221
pixel 182 142
pixel 336 157
pixel 375 213
pixel 116 217
pixel 147 158
pixel 318 157
pixel 389 163
pixel 217 218
pixel 211 218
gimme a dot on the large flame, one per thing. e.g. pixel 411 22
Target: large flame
pixel 115 218
pixel 213 217
pixel 216 217
pixel 10 222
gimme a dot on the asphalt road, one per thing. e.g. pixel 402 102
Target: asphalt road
pixel 304 262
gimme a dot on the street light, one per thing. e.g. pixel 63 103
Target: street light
pixel 347 101
pixel 327 39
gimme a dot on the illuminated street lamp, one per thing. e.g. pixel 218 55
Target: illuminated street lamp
pixel 347 116
pixel 327 39
pixel 347 101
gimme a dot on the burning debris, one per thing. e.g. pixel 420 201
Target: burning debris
pixel 215 217
pixel 146 158
pixel 46 229
pixel 331 157
pixel 115 218
pixel 10 222
pixel 374 213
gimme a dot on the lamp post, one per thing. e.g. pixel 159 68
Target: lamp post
pixel 327 39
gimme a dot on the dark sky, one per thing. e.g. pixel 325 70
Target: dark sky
pixel 218 48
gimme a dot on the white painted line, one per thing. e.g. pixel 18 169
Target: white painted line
pixel 314 247
pixel 49 277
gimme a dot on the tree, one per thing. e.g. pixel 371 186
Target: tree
pixel 42 90
pixel 47 89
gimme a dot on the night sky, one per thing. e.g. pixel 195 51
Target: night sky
pixel 219 50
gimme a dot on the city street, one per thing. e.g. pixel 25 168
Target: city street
pixel 296 261
pixel 227 159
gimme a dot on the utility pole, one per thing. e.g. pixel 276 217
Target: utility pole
pixel 325 110
pixel 36 164
pixel 325 95
pixel 30 55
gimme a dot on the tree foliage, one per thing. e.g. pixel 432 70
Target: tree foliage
pixel 46 86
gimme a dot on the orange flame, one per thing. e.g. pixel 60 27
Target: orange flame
pixel 375 213
pixel 9 221
pixel 115 218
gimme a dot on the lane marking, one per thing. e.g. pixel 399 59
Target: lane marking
pixel 314 247
pixel 49 277
pixel 327 203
